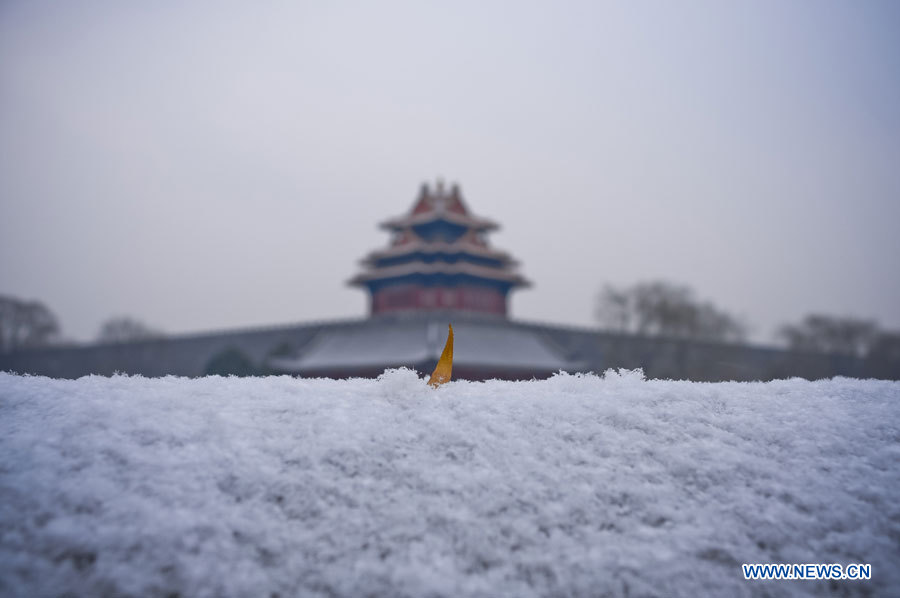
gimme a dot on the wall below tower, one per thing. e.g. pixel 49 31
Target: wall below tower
pixel 419 297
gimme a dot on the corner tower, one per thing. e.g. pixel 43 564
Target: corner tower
pixel 439 258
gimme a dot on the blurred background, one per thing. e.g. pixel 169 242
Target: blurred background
pixel 171 168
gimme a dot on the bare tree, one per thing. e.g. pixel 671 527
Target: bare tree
pixel 25 324
pixel 124 329
pixel 665 309
pixel 614 309
pixel 831 334
pixel 714 324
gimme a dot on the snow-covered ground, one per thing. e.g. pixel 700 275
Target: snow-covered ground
pixel 573 486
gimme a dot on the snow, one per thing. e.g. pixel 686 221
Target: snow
pixel 576 485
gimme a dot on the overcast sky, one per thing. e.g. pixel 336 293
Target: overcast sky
pixel 205 166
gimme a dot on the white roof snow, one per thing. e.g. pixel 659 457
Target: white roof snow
pixel 374 344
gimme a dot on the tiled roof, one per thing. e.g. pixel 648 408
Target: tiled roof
pixel 459 268
pixel 480 344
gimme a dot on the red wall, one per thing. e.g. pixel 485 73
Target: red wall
pixel 471 298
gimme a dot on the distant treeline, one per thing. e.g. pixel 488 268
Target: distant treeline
pixel 655 308
pixel 29 324
pixel 660 308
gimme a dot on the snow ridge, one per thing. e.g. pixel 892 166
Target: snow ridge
pixel 579 485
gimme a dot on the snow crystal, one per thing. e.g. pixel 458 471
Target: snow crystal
pixel 577 485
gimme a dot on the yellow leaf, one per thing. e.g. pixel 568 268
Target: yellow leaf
pixel 444 366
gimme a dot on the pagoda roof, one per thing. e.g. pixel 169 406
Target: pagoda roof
pixel 437 204
pixel 419 246
pixel 463 268
pixel 439 243
pixel 466 220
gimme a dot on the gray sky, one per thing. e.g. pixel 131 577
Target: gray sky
pixel 216 165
